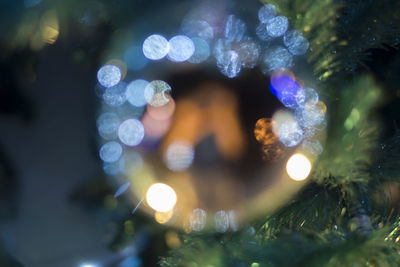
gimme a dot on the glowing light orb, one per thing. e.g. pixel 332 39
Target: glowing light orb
pixel 277 26
pixel 286 89
pixel 234 29
pixel 201 52
pixel 161 197
pixel 107 125
pixel 229 64
pixel 131 132
pixel 276 58
pixel 109 75
pixel 296 43
pixel 155 47
pixel 263 131
pixel 249 53
pixel 198 220
pixel 181 48
pixel 221 220
pixel 156 92
pixel 179 156
pixel 287 128
pixel 135 93
pixel 116 95
pixel 110 152
pixel 298 167
pixel 266 12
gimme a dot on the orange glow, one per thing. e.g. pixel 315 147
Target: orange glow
pixel 263 131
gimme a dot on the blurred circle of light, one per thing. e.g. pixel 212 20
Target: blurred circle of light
pixel 108 124
pixel 296 43
pixel 234 29
pixel 262 34
pixel 116 95
pixel 109 75
pixel 312 147
pixel 131 132
pixel 221 220
pixel 249 53
pixel 312 114
pixel 298 167
pixel 287 128
pixel 276 58
pixel 155 47
pixel 266 12
pixel 113 168
pixel 229 64
pixel 120 64
pixel 179 156
pixel 198 220
pixel 181 48
pixel 134 58
pixel 277 26
pixel 201 51
pixel 161 197
pixel 263 131
pixel 286 89
pixel 135 92
pixel 110 152
pixel 155 93
pixel 198 28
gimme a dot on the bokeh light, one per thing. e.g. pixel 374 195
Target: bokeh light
pixel 249 53
pixel 312 147
pixel 135 92
pixel 287 128
pixel 277 26
pixel 161 197
pixel 284 86
pixel 197 220
pixel 116 95
pixel 163 217
pixel 262 34
pixel 156 92
pixel 164 112
pixel 263 131
pixel 107 125
pixel 234 29
pixel 298 167
pixel 266 12
pixel 179 156
pixel 221 220
pixel 110 152
pixel 181 48
pixel 131 132
pixel 198 28
pixel 276 58
pixel 296 43
pixel 155 47
pixel 109 75
pixel 155 128
pixel 201 52
pixel 229 64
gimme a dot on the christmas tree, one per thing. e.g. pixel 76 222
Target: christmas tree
pixel 270 141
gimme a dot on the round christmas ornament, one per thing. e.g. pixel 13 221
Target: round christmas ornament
pixel 203 121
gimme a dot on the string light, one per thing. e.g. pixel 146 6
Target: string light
pixel 298 167
pixel 161 197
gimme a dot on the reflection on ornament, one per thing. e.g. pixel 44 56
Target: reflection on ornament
pixel 298 167
pixel 161 197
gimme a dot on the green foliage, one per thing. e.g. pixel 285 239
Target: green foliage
pixel 352 135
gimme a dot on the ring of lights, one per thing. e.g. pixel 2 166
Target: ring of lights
pixel 130 133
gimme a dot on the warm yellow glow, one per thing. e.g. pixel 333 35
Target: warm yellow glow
pixel 163 217
pixel 161 197
pixel 298 167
